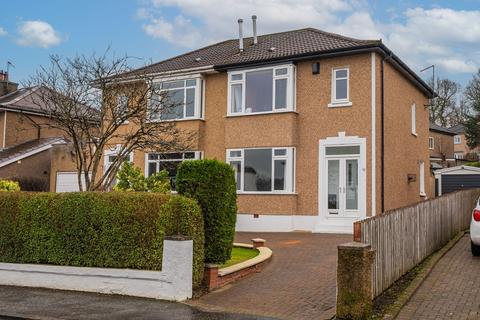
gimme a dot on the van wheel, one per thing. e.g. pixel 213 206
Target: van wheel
pixel 475 250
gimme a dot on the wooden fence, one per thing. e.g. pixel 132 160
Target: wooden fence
pixel 403 237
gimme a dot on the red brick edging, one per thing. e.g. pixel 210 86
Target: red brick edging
pixel 213 280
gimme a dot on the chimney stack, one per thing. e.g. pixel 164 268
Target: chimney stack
pixel 254 20
pixel 3 75
pixel 5 85
pixel 240 34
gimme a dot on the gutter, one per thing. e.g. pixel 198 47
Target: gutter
pixel 376 47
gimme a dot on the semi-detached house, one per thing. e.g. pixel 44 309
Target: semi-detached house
pixel 321 129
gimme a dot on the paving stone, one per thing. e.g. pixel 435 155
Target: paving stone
pixel 450 291
pixel 299 283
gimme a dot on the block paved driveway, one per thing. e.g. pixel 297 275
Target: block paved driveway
pixel 451 290
pixel 298 283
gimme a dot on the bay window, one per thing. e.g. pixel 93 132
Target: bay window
pixel 156 162
pixel 261 90
pixel 263 170
pixel 176 100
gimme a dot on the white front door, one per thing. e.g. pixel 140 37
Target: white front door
pixel 342 183
pixel 342 186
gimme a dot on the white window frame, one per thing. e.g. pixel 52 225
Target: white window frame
pixel 458 155
pixel 413 115
pixel 422 178
pixel 431 143
pixel 198 156
pixel 120 101
pixel 457 139
pixel 289 175
pixel 113 151
pixel 340 102
pixel 290 77
pixel 199 96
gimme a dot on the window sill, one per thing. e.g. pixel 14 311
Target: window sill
pixel 267 193
pixel 176 120
pixel 233 115
pixel 340 104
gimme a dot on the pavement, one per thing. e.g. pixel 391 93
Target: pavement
pixel 299 283
pixel 33 303
pixel 451 290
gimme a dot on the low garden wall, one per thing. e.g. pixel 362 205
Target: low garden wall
pixel 90 236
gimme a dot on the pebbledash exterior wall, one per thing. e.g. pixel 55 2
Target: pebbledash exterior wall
pixel 313 121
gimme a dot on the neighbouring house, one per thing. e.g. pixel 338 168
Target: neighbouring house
pixel 461 149
pixel 441 146
pixel 321 129
pixel 31 150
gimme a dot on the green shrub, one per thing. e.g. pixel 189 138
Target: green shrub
pixel 110 230
pixel 130 178
pixel 8 185
pixel 212 183
pixel 473 164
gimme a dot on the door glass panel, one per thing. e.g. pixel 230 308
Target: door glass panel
pixel 334 151
pixel 333 185
pixel 351 201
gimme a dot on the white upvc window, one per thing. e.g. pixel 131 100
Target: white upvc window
pixel 176 99
pixel 263 170
pixel 431 143
pixel 422 178
pixel 169 161
pixel 261 90
pixel 457 139
pixel 413 116
pixel 340 87
pixel 458 155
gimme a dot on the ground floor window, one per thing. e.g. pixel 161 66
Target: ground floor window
pixel 263 170
pixel 156 162
pixel 458 155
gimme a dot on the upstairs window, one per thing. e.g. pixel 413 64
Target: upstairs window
pixel 340 87
pixel 261 90
pixel 457 139
pixel 431 143
pixel 176 100
pixel 414 119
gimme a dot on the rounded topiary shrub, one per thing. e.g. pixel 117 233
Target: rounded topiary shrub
pixel 212 184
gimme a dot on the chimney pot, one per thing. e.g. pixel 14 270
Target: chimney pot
pixel 254 21
pixel 240 34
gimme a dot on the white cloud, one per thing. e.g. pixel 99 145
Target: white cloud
pixel 37 33
pixel 2 32
pixel 449 38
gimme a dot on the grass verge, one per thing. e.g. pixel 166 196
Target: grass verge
pixel 239 255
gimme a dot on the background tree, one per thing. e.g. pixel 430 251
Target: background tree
pixel 445 109
pixel 90 98
pixel 472 124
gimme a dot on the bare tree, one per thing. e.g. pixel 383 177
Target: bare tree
pixel 445 109
pixel 99 102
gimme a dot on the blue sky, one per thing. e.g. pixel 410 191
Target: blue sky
pixel 444 33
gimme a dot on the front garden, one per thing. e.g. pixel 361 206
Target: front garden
pixel 121 229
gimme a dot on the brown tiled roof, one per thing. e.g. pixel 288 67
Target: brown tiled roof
pixel 23 100
pixel 286 44
pixel 24 148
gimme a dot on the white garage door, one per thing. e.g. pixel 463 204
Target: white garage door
pixel 68 182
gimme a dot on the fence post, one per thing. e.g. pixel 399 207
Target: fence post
pixel 354 281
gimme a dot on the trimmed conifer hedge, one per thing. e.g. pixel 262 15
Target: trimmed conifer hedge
pixel 93 229
pixel 212 184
